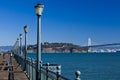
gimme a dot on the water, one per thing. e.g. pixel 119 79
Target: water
pixel 97 66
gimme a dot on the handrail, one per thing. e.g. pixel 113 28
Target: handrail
pixel 44 70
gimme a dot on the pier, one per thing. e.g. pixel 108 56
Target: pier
pixel 10 69
pixel 12 66
pixel 15 65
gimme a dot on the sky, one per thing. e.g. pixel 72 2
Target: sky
pixel 71 21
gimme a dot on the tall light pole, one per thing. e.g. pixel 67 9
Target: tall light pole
pixel 17 46
pixel 20 44
pixel 39 10
pixel 26 31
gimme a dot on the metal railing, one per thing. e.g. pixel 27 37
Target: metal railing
pixel 45 72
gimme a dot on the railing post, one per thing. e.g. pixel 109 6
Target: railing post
pixel 47 67
pixel 29 67
pixel 32 68
pixel 40 70
pixel 22 63
pixel 58 71
pixel 77 73
pixel 20 44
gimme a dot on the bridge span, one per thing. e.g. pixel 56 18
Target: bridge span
pixel 100 45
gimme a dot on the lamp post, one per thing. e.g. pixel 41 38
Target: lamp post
pixel 20 44
pixel 26 31
pixel 17 43
pixel 39 10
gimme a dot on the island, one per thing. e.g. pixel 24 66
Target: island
pixel 47 47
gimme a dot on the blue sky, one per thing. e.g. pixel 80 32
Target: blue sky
pixel 72 21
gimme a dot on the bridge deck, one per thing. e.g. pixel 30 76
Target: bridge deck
pixel 18 74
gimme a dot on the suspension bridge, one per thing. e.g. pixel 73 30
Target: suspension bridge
pixel 109 47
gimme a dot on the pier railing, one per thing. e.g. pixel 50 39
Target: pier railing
pixel 46 71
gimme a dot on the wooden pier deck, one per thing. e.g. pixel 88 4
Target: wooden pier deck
pixel 18 74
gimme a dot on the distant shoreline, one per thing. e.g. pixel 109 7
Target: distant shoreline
pixel 76 53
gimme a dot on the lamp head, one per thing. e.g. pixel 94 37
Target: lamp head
pixel 25 29
pixel 20 36
pixel 39 9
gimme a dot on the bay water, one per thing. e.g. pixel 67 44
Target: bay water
pixel 93 66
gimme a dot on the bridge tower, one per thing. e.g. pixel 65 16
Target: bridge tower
pixel 89 44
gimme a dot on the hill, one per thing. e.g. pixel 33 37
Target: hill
pixel 57 48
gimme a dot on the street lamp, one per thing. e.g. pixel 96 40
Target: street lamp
pixel 39 10
pixel 17 46
pixel 20 44
pixel 26 31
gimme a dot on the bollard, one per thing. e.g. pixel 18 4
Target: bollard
pixel 47 67
pixel 58 71
pixel 77 73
